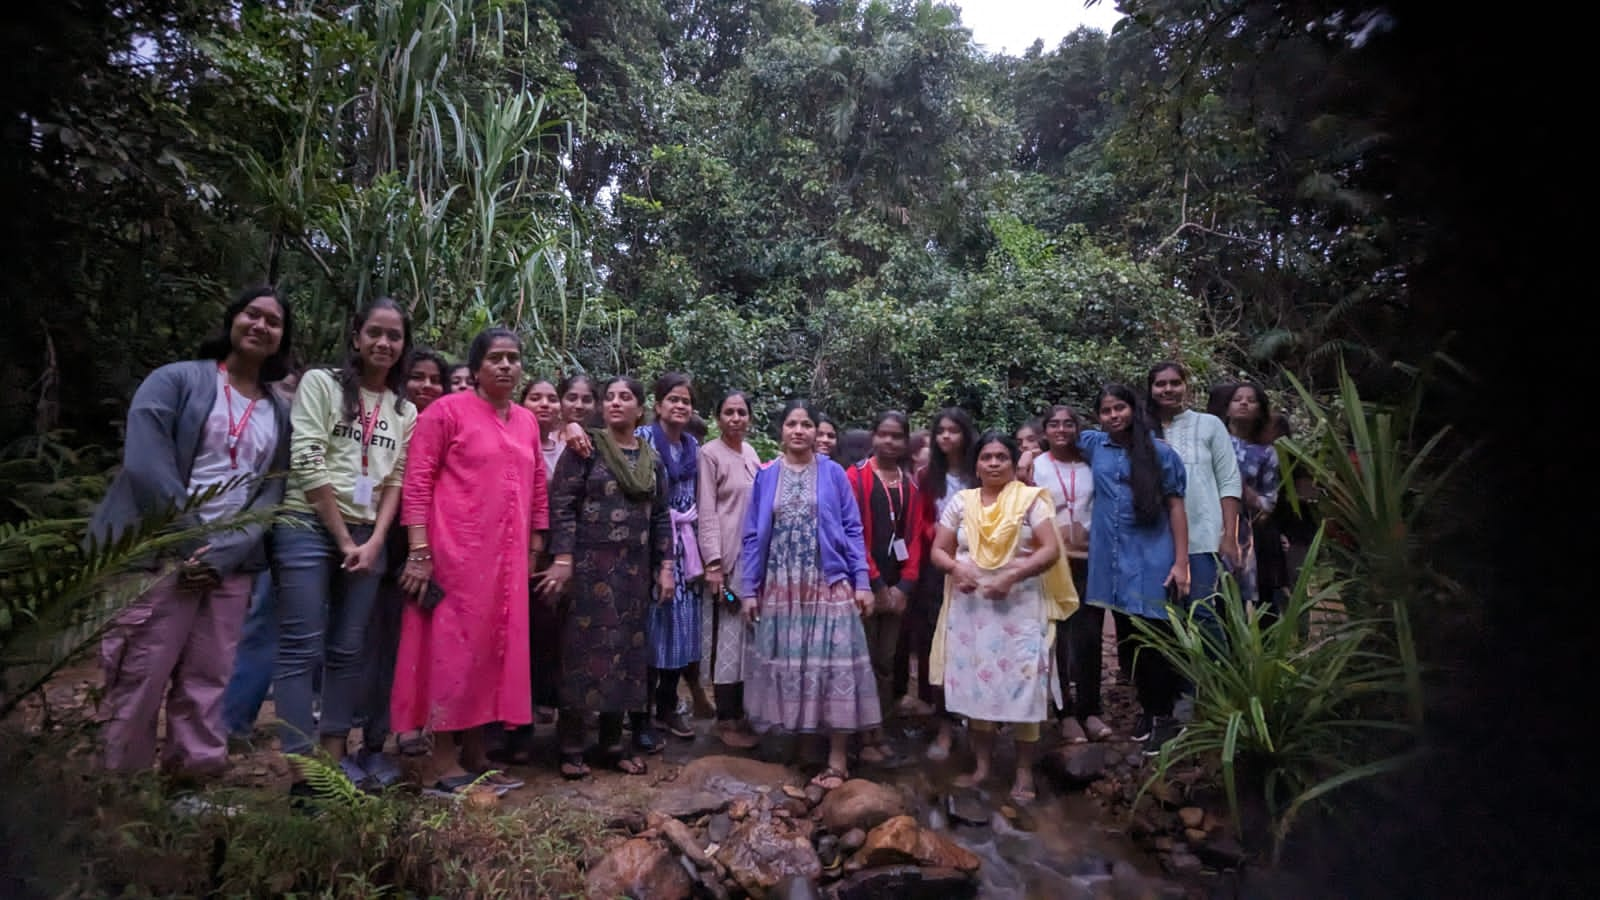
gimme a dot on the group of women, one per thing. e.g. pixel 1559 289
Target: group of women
pixel 457 550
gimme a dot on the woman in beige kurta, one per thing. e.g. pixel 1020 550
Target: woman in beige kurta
pixel 727 471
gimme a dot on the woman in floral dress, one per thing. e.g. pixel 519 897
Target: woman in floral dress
pixel 993 649
pixel 803 585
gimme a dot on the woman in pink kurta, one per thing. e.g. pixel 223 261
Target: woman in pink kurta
pixel 474 504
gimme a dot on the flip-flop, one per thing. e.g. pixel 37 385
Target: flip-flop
pixel 573 768
pixel 627 764
pixel 500 781
pixel 830 774
pixel 455 787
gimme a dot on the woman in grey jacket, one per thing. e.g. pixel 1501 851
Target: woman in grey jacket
pixel 194 425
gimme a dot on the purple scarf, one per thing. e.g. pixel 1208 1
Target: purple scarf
pixel 687 465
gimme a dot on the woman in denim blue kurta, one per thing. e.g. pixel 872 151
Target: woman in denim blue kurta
pixel 1138 537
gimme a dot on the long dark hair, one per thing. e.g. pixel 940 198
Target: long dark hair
pixel 349 374
pixel 1253 432
pixel 219 345
pixel 938 463
pixel 1217 401
pixel 1144 470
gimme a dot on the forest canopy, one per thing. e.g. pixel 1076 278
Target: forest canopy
pixel 839 199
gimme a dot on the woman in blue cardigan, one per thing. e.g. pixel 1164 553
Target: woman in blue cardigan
pixel 804 588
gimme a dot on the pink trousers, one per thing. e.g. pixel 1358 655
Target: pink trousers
pixel 176 645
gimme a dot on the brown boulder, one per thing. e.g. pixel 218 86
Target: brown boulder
pixel 737 775
pixel 859 803
pixel 901 840
pixel 762 853
pixel 641 870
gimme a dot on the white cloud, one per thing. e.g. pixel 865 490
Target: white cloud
pixel 1011 25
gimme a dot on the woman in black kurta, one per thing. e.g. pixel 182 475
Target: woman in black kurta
pixel 615 543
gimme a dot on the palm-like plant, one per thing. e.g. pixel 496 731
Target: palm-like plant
pixel 1290 718
pixel 60 589
pixel 1376 483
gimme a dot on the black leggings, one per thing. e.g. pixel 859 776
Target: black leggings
pixel 1078 652
pixel 1154 680
pixel 730 701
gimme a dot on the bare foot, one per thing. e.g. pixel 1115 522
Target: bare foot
pixel 1022 791
pixel 971 779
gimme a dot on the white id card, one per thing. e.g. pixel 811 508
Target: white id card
pixel 363 491
pixel 898 548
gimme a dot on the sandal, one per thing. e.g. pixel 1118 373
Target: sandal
pixel 453 788
pixel 500 781
pixel 573 768
pixel 617 759
pixel 830 778
pixel 882 756
pixel 1023 798
pixel 630 765
pixel 413 744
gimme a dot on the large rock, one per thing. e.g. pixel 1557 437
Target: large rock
pixel 641 870
pixel 738 775
pixel 713 783
pixel 859 803
pixel 906 883
pixel 901 840
pixel 762 853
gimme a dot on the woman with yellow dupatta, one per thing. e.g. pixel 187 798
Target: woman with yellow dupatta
pixel 1009 585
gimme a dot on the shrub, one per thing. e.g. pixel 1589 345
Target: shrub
pixel 1289 717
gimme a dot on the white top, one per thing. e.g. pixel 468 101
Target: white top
pixel 1071 487
pixel 1213 469
pixel 953 484
pixel 552 455
pixel 214 464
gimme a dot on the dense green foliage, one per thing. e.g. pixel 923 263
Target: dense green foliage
pixel 843 199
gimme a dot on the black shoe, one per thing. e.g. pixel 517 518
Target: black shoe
pixel 1141 727
pixel 646 740
pixel 1164 729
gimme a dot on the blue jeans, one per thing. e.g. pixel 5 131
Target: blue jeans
pixel 323 613
pixel 254 662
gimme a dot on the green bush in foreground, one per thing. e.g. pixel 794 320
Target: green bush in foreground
pixel 1288 716
pixel 70 830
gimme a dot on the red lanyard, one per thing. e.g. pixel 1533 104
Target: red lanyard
pixel 367 423
pixel 1071 495
pixel 899 494
pixel 234 430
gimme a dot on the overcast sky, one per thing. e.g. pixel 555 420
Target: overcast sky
pixel 1011 25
